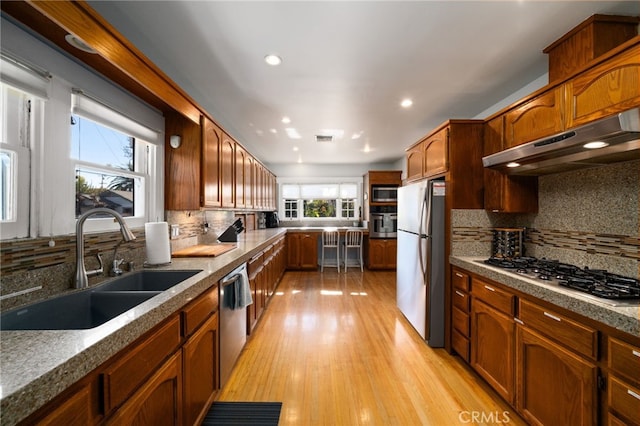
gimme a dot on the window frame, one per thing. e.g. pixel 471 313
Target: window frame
pixel 300 200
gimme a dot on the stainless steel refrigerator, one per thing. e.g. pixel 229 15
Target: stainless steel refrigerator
pixel 421 258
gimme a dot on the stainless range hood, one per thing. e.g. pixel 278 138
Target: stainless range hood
pixel 620 135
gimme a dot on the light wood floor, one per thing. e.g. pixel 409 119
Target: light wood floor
pixel 335 350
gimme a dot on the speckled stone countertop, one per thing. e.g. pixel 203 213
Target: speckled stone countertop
pixel 38 365
pixel 625 318
pixel 322 228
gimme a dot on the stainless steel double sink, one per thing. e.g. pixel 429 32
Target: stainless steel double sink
pixel 94 306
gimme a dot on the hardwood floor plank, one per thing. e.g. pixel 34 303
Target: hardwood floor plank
pixel 335 350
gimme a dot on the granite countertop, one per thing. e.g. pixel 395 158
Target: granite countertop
pixel 322 228
pixel 39 365
pixel 624 317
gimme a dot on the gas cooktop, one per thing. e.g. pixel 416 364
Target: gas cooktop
pixel 601 285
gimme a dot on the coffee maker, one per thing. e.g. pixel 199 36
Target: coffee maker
pixel 272 220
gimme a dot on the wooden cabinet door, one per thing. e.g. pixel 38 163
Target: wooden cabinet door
pixel 606 89
pixel 390 254
pixel 493 348
pixel 248 182
pixel 539 117
pixel 75 410
pixel 436 153
pixel 182 164
pixel 415 162
pixel 240 159
pixel 211 143
pixel 554 385
pixel 293 251
pixel 257 185
pixel 309 251
pixel 227 160
pixel 200 366
pixel 158 401
pixel 376 257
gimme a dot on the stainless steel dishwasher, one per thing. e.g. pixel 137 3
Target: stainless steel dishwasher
pixel 233 322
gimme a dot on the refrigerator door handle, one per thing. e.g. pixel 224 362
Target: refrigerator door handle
pixel 425 233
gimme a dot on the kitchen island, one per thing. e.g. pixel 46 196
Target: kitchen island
pixel 39 365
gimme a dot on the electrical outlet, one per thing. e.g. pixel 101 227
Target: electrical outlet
pixel 175 231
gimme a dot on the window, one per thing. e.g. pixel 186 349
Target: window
pixel 319 201
pixel 113 162
pixel 15 159
pixel 105 173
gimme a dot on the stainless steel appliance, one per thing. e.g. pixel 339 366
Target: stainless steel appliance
pixel 609 140
pixel 384 194
pixel 383 225
pixel 233 322
pixel 595 284
pixel 421 258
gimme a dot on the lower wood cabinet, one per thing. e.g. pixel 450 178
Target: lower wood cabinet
pixel 76 410
pixel 555 386
pixel 493 347
pixel 265 271
pixel 302 250
pixel 200 356
pixel 381 253
pixel 158 401
pixel 623 390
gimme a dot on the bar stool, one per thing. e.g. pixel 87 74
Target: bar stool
pixel 353 240
pixel 330 240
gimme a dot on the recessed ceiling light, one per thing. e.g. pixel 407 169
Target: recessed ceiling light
pixel 513 164
pixel 79 43
pixel 357 135
pixel 274 131
pixel 595 145
pixel 292 133
pixel 273 60
pixel 286 120
pixel 299 160
pixel 295 148
pixel 406 103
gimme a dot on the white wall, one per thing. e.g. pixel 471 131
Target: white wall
pixel 327 170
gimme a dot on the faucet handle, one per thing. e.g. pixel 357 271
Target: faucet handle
pixel 99 270
pixel 116 266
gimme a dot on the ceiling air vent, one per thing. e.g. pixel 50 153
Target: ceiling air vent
pixel 324 138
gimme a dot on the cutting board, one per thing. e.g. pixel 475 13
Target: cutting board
pixel 202 250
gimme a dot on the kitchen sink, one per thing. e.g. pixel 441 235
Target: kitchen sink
pixel 76 311
pixel 94 306
pixel 148 280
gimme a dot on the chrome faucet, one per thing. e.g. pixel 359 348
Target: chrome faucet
pixel 82 280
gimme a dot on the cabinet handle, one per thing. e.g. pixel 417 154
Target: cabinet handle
pixel 636 353
pixel 459 275
pixel 633 394
pixel 519 321
pixel 489 288
pixel 553 317
pixel 459 293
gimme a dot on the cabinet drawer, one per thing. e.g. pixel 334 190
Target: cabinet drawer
pixel 128 372
pixel 624 400
pixel 574 335
pixel 624 360
pixel 496 297
pixel 199 310
pixel 459 279
pixel 461 300
pixel 461 321
pixel 460 344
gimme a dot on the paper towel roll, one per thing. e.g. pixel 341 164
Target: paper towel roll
pixel 157 243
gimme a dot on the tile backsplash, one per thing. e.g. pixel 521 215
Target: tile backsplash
pixel 587 217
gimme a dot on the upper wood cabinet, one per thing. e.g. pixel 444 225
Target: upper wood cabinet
pixel 415 162
pixel 227 162
pixel 506 193
pixel 240 172
pixel 539 117
pixel 605 89
pixel 436 153
pixel 182 164
pixel 211 144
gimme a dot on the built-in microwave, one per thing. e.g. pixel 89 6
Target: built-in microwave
pixel 384 194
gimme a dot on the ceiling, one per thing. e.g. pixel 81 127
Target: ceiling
pixel 346 66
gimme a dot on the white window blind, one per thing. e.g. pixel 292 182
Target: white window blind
pixel 27 78
pixel 91 108
pixel 319 192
